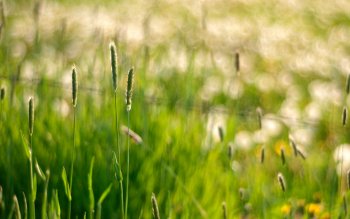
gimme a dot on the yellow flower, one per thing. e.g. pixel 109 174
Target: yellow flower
pixel 314 208
pixel 285 209
pixel 282 144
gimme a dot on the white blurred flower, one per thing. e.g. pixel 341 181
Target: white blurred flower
pixel 62 107
pixel 341 156
pixel 216 119
pixel 271 126
pixel 244 140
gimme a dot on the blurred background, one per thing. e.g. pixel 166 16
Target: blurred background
pixel 202 68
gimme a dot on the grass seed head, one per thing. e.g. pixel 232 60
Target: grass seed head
pixel 133 135
pixel 224 210
pixel 259 113
pixel 302 154
pixel 294 146
pixel 348 84
pixel 344 115
pixel 221 133
pixel 281 181
pixel 114 65
pixel 155 209
pixel 241 192
pixel 74 86
pixel 31 115
pixel 2 93
pixel 262 155
pixel 283 157
pixel 129 89
pixel 348 179
pixel 230 151
pixel 237 62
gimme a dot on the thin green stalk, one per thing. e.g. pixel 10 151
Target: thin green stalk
pixel 72 166
pixel 118 148
pixel 98 212
pixel 32 200
pixel 1 112
pixel 121 197
pixel 341 171
pixel 116 123
pixel 127 169
pixel 44 205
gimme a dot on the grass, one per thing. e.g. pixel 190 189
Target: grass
pixel 212 139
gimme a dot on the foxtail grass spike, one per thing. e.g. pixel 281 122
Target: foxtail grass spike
pixel 262 155
pixel 283 157
pixel 294 146
pixel 221 133
pixel 155 209
pixel 237 62
pixel 74 86
pixel 348 84
pixel 114 65
pixel 259 113
pixel 344 115
pixel 348 179
pixel 241 193
pixel 224 210
pixel 281 181
pixel 302 154
pixel 129 89
pixel 2 93
pixel 31 115
pixel 230 152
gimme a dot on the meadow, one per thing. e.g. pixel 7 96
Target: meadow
pixel 174 109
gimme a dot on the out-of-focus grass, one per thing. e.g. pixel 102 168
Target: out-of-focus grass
pixel 294 61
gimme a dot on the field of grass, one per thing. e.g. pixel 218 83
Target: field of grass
pixel 238 109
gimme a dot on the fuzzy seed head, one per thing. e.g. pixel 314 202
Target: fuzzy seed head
pixel 348 179
pixel 224 210
pixel 2 93
pixel 259 113
pixel 237 63
pixel 31 115
pixel 129 89
pixel 294 146
pixel 283 157
pixel 302 154
pixel 348 84
pixel 114 65
pixel 262 155
pixel 74 86
pixel 221 133
pixel 230 152
pixel 344 115
pixel 241 192
pixel 281 181
pixel 155 207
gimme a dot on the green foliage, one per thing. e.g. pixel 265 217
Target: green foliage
pixel 66 184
